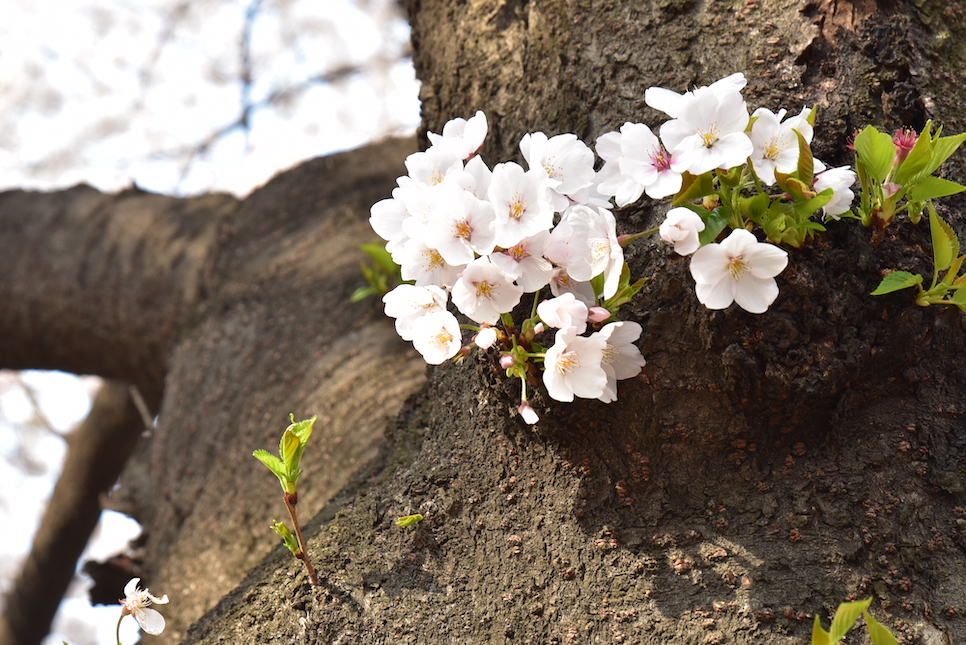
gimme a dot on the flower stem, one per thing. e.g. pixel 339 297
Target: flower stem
pixel 117 631
pixel 290 501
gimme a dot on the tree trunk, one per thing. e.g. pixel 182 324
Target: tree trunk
pixel 762 469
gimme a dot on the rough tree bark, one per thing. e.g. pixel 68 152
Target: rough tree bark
pixel 762 468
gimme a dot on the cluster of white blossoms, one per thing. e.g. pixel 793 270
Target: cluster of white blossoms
pixel 709 131
pixel 481 238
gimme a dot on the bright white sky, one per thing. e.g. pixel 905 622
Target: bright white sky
pixel 115 92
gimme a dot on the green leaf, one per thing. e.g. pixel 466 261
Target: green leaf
pixel 950 276
pixel 875 152
pixel 942 149
pixel 287 538
pixel 754 208
pixel 362 293
pixel 933 187
pixel 819 635
pixel 917 160
pixel 381 257
pixel 273 463
pixel 879 634
pixel 945 246
pixel 714 222
pixel 693 187
pixel 806 162
pixel 409 520
pixel 896 281
pixel 845 617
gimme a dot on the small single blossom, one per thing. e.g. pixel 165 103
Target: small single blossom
pixel 524 262
pixel 425 265
pixel 408 302
pixel 636 162
pixel 562 283
pixel 521 203
pixel 776 144
pixel 565 160
pixel 739 269
pixel 461 137
pixel 483 293
pixel 709 131
pixel 431 166
pixel 622 359
pixel 572 367
pixel 586 245
pixel 840 180
pixel 564 311
pixel 671 102
pixel 461 227
pixel 680 228
pixel 137 602
pixel 437 336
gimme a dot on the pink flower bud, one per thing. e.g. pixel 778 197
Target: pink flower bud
pixel 598 314
pixel 486 338
pixel 528 413
pixel 507 361
pixel 538 328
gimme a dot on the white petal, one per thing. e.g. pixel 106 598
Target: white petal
pixel 709 264
pixel 766 260
pixel 664 100
pixel 755 294
pixel 131 587
pixel 717 295
pixel 150 621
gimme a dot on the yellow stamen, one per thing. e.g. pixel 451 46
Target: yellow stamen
pixel 737 267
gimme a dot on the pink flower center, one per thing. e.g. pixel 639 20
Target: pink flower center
pixel 661 160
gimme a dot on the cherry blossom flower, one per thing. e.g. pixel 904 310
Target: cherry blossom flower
pixel 640 164
pixel 585 243
pixel 461 137
pixel 680 228
pixel 621 359
pixel 425 265
pixel 572 367
pixel 137 602
pixel 408 302
pixel 709 132
pixel 432 165
pixel 562 283
pixel 840 180
pixel 461 226
pixel 671 102
pixel 564 311
pixel 521 203
pixel 566 161
pixel 437 336
pixel 483 293
pixel 524 262
pixel 739 269
pixel 776 145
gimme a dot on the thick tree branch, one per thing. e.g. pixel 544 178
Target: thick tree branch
pixel 97 450
pixel 111 276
